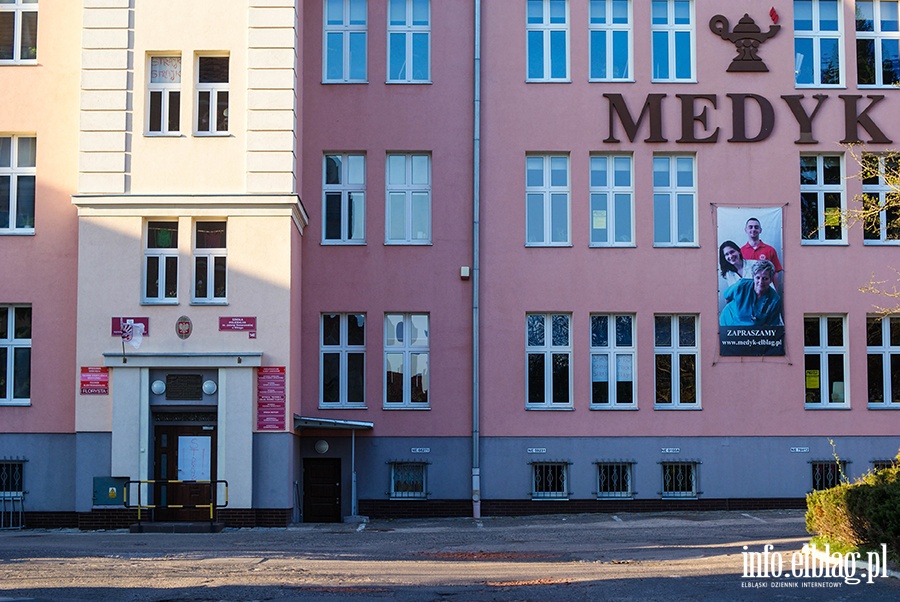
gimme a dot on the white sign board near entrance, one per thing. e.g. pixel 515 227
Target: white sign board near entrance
pixel 193 458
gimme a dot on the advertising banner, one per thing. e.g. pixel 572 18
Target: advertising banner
pixel 750 281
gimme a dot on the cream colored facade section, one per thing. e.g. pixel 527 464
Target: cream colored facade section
pixel 235 442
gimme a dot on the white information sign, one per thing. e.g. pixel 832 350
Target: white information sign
pixel 193 458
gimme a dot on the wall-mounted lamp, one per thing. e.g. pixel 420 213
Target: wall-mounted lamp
pixel 321 446
pixel 158 387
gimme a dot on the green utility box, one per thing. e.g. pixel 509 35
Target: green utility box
pixel 109 491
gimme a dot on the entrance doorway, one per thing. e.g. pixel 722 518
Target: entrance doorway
pixel 321 490
pixel 183 453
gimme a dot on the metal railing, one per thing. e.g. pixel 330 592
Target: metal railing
pixel 12 511
pixel 212 505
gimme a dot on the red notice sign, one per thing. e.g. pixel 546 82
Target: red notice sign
pixel 237 323
pixel 94 380
pixel 271 397
pixel 117 325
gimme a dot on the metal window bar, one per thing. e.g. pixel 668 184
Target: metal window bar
pixel 614 479
pixel 826 475
pixel 12 494
pixel 679 480
pixel 408 480
pixel 550 480
pixel 882 464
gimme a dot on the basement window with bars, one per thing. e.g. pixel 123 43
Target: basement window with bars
pixel 12 477
pixel 882 464
pixel 827 473
pixel 679 480
pixel 408 480
pixel 614 480
pixel 550 480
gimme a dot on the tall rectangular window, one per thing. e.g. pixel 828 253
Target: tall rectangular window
pixel 18 160
pixel 210 262
pixel 164 90
pixel 883 361
pixel 822 202
pixel 547 200
pixel 342 360
pixel 406 360
pixel 344 202
pixel 161 262
pixel 409 41
pixel 825 361
pixel 674 201
pixel 18 31
pixel 15 354
pixel 610 40
pixel 881 203
pixel 672 40
pixel 677 355
pixel 877 43
pixel 613 356
pixel 817 43
pixel 548 363
pixel 547 31
pixel 212 95
pixel 408 196
pixel 612 201
pixel 346 28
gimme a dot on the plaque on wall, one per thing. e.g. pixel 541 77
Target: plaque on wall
pixel 184 387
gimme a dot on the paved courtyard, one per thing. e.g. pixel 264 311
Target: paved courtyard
pixel 660 556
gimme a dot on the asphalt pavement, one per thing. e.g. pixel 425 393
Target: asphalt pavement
pixel 708 556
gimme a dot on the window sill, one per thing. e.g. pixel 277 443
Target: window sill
pixel 545 245
pixel 621 245
pixel 341 407
pixel 19 63
pixel 16 404
pixel 678 407
pixel 548 81
pixel 213 135
pixel 16 231
pixel 881 243
pixel 155 302
pixel 613 408
pixel 163 135
pixel 408 243
pixel 201 302
pixel 824 407
pixel 335 82
pixel 549 408
pixel 417 82
pixel 614 498
pixel 343 243
pixel 406 407
pixel 684 245
pixel 550 499
pixel 819 86
pixel 597 80
pixel 408 499
pixel 824 243
pixel 691 80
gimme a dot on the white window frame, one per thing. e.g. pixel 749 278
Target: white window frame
pixel 877 37
pixel 346 187
pixel 169 95
pixel 19 8
pixel 675 350
pixel 835 399
pixel 545 193
pixel 826 217
pixel 411 188
pixel 603 23
pixel 343 349
pixel 393 345
pixel 818 36
pixel 610 354
pixel 418 480
pixel 346 31
pixel 15 170
pixel 615 479
pixel 607 184
pixel 214 89
pixel 212 254
pixel 548 349
pixel 887 350
pixel 558 488
pixel 673 473
pixel 10 343
pixel 162 255
pixel 409 32
pixel 885 229
pixel 546 27
pixel 668 196
pixel 673 31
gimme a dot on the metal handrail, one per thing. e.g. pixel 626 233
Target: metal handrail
pixel 213 498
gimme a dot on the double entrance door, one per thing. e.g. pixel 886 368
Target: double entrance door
pixel 184 453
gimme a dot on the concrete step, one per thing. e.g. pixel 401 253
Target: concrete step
pixel 177 527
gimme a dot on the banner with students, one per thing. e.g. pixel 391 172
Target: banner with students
pixel 750 281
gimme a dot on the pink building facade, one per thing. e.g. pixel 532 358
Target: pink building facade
pixel 501 258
